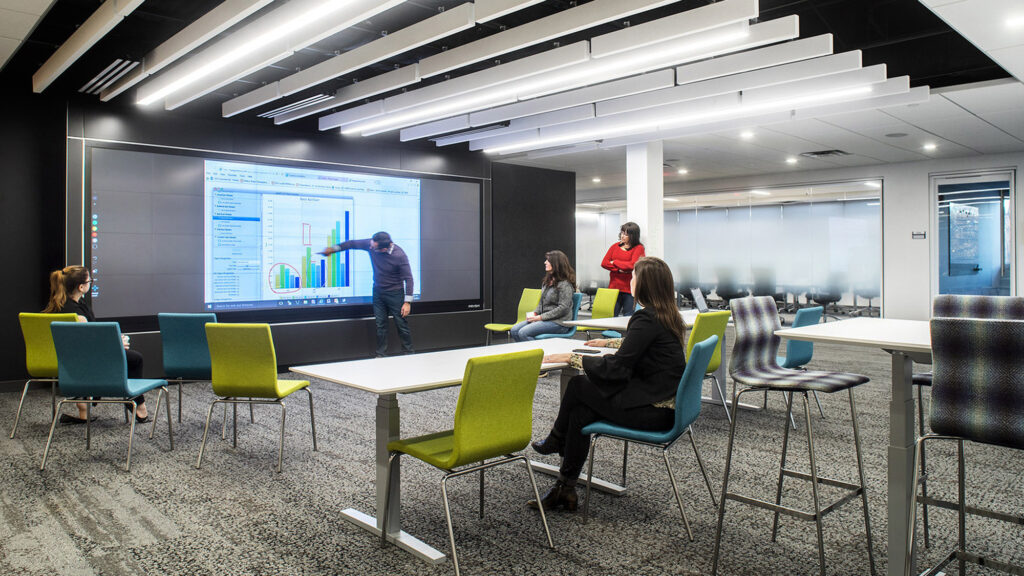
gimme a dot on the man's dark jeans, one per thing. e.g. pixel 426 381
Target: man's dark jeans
pixel 385 303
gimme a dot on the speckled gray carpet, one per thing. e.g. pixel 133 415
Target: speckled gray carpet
pixel 84 515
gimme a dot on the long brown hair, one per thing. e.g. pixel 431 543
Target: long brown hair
pixel 560 269
pixel 63 283
pixel 655 290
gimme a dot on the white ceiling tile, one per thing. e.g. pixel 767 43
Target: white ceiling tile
pixel 16 25
pixel 987 98
pixel 37 7
pixel 983 22
pixel 1010 121
pixel 1011 59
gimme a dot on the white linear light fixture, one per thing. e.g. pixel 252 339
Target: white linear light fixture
pixel 577 18
pixel 258 44
pixel 626 63
pixel 423 32
pixel 103 20
pixel 208 26
pixel 657 119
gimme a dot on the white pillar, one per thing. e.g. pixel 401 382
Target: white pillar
pixel 645 191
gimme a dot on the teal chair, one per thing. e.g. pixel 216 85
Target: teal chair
pixel 92 369
pixel 577 300
pixel 603 307
pixel 185 352
pixel 493 421
pixel 688 403
pixel 799 353
pixel 527 303
pixel 244 370
pixel 40 357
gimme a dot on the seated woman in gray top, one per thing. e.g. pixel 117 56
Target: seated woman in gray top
pixel 555 300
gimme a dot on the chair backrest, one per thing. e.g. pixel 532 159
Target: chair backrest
pixel 186 354
pixel 604 303
pixel 528 302
pixel 978 380
pixel 709 324
pixel 242 360
pixel 494 414
pixel 577 301
pixel 983 307
pixel 40 357
pixel 698 300
pixel 756 319
pixel 799 352
pixel 688 400
pixel 90 359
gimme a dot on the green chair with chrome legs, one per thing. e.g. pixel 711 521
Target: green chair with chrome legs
pixel 40 356
pixel 527 303
pixel 711 324
pixel 493 421
pixel 603 307
pixel 244 371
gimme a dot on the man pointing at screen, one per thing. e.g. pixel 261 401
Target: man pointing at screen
pixel 392 286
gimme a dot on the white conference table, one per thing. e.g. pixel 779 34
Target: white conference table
pixel 908 341
pixel 388 377
pixel 619 323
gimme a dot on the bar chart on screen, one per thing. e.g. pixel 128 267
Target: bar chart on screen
pixel 295 229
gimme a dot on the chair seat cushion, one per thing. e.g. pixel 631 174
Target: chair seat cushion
pixel 498 327
pixel 606 428
pixel 138 386
pixel 286 387
pixel 434 449
pixel 776 378
pixel 568 334
pixel 923 379
pixel 611 334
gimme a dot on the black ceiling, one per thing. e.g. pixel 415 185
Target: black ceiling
pixel 903 34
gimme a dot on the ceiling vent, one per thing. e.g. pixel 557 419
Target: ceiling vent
pixel 108 76
pixel 825 154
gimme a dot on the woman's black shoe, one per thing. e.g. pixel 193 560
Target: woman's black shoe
pixel 138 419
pixel 549 445
pixel 560 496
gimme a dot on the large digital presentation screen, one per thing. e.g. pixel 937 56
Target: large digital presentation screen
pixel 170 232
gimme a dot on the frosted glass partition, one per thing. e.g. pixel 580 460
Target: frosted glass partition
pixel 825 244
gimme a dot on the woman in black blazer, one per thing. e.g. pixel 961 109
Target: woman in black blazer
pixel 634 387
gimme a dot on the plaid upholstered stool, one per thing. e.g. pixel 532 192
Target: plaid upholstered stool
pixel 977 395
pixel 753 365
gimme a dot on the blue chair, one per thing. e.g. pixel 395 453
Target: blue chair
pixel 92 369
pixel 186 354
pixel 687 409
pixel 799 352
pixel 577 299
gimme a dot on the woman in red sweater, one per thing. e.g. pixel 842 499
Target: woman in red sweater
pixel 619 261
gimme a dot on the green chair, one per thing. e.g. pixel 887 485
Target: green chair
pixel 706 325
pixel 40 356
pixel 527 303
pixel 493 419
pixel 603 307
pixel 244 371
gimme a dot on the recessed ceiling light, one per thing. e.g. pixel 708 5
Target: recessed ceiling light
pixel 760 192
pixel 929 146
pixel 1015 21
pixel 791 160
pixel 747 135
pixel 683 171
pixel 595 180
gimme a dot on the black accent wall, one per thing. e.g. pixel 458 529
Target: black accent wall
pixel 527 212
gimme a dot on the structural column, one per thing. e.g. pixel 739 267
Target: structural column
pixel 645 190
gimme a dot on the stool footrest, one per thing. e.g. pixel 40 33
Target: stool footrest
pixel 821 479
pixel 973 510
pixel 974 559
pixel 855 492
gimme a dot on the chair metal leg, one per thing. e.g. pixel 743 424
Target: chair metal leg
pixel 725 405
pixel 703 470
pixel 234 424
pixel 387 499
pixel 131 432
pixel 280 450
pixel 156 414
pixel 818 402
pixel 448 519
pixel 625 458
pixel 179 402
pixel 792 420
pixel 88 426
pixel 675 490
pixel 206 429
pixel 782 465
pixel 252 415
pixel 17 415
pixel 312 419
pixel 49 438
pixel 224 423
pixel 961 542
pixel 540 506
pixel 590 477
pixel 924 474
pixel 863 483
pixel 53 397
pixel 814 485
pixel 482 491
pixel 725 484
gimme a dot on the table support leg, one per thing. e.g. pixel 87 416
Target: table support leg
pixel 901 462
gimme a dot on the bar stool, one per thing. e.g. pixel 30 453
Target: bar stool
pixel 753 365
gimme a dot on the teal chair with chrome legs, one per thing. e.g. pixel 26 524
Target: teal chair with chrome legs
pixel 185 351
pixel 577 299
